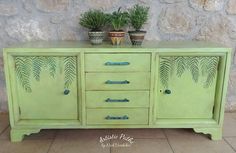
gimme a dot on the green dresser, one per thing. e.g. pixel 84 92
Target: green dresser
pixel 63 85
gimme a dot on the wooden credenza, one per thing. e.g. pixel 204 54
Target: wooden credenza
pixel 62 84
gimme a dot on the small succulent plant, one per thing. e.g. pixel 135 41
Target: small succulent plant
pixel 118 19
pixel 138 15
pixel 94 20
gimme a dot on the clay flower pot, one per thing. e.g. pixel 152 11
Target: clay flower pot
pixel 137 37
pixel 117 37
pixel 96 37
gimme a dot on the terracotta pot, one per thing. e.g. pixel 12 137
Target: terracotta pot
pixel 96 37
pixel 137 37
pixel 117 37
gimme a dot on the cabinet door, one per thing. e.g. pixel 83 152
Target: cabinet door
pixel 46 87
pixel 186 86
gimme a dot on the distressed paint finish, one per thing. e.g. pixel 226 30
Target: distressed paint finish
pixel 103 95
pixel 210 20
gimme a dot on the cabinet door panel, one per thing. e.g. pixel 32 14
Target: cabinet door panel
pixel 47 87
pixel 186 86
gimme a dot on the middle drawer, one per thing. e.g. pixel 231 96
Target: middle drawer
pixel 113 99
pixel 117 81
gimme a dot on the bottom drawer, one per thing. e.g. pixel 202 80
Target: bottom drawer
pixel 117 116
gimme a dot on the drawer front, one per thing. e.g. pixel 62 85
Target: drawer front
pixel 117 81
pixel 117 116
pixel 117 99
pixel 117 62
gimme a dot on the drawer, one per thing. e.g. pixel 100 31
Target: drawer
pixel 117 62
pixel 117 81
pixel 117 116
pixel 117 99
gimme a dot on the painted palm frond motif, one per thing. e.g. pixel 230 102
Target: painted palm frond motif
pixel 70 70
pixel 193 67
pixel 212 71
pixel 180 64
pixel 51 63
pixel 172 68
pixel 205 66
pixel 37 64
pixel 23 71
pixel 165 71
pixel 34 65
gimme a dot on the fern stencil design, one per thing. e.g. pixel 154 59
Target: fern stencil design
pixel 165 69
pixel 193 66
pixel 35 64
pixel 181 65
pixel 23 71
pixel 212 71
pixel 204 65
pixel 51 62
pixel 70 70
pixel 172 68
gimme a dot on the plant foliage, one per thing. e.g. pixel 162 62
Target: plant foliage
pixel 94 20
pixel 138 16
pixel 118 19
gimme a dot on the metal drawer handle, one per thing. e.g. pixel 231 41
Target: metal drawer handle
pixel 117 100
pixel 125 117
pixel 117 82
pixel 117 63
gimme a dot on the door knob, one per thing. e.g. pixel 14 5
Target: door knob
pixel 66 92
pixel 167 91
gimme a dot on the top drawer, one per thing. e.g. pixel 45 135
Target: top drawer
pixel 117 62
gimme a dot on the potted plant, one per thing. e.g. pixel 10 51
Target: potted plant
pixel 138 15
pixel 94 20
pixel 118 20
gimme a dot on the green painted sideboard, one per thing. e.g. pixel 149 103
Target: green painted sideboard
pixel 64 84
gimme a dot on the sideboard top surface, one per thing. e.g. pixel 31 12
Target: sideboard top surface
pixel 150 45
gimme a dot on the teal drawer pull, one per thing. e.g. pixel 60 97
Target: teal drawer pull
pixel 117 63
pixel 117 100
pixel 117 82
pixel 125 117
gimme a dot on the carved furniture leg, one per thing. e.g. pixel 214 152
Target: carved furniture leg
pixel 17 135
pixel 216 133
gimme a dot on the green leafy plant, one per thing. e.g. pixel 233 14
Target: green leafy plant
pixel 118 19
pixel 94 20
pixel 138 16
